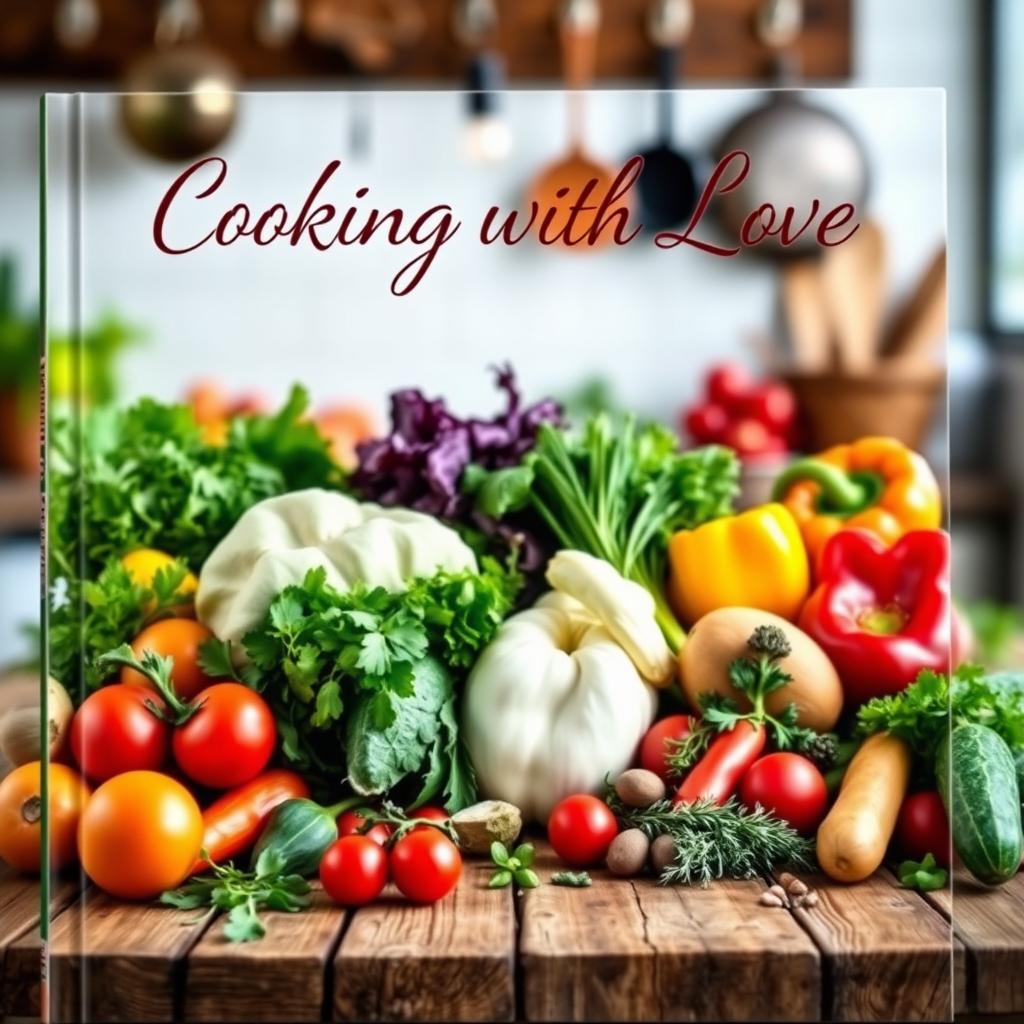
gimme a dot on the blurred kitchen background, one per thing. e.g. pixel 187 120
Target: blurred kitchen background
pixel 859 336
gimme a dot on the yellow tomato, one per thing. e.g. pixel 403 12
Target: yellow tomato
pixel 144 563
pixel 21 814
pixel 140 834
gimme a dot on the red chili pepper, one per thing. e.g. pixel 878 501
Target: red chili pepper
pixel 233 822
pixel 717 775
pixel 882 614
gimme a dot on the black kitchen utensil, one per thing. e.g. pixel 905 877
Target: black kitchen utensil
pixel 667 187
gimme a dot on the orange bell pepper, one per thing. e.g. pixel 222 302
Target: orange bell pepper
pixel 875 484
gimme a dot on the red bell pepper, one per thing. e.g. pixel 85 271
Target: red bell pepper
pixel 882 613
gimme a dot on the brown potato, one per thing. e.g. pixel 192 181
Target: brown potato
pixel 719 637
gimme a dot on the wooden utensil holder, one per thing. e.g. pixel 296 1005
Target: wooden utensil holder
pixel 838 408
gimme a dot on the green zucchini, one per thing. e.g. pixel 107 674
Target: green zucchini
pixel 298 832
pixel 977 778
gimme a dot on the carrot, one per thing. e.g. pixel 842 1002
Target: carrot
pixel 717 774
pixel 233 822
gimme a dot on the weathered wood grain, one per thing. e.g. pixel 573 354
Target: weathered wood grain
pixel 887 953
pixel 454 960
pixel 20 944
pixel 989 922
pixel 942 901
pixel 280 977
pixel 634 950
pixel 116 961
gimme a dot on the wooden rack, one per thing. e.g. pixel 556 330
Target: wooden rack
pixel 722 46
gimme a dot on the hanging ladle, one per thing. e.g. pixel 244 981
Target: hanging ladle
pixel 667 187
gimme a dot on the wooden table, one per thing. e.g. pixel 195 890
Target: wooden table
pixel 619 950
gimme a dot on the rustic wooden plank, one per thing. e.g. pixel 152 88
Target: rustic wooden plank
pixel 117 961
pixel 887 953
pixel 942 900
pixel 20 944
pixel 636 950
pixel 280 977
pixel 990 924
pixel 454 960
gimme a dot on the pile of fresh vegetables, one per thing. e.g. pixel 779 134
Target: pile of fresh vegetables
pixel 265 667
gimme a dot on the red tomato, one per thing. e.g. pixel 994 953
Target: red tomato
pixel 655 747
pixel 230 738
pixel 790 786
pixel 431 813
pixel 773 404
pixel 354 870
pixel 728 385
pixel 425 865
pixel 581 828
pixel 751 437
pixel 706 423
pixel 923 827
pixel 350 823
pixel 114 732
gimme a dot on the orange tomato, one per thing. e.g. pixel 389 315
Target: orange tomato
pixel 179 639
pixel 140 834
pixel 144 563
pixel 21 815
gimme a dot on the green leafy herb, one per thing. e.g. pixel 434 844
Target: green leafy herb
pixel 925 875
pixel 157 668
pixel 243 894
pixel 756 676
pixel 925 711
pixel 102 614
pixel 362 682
pixel 147 477
pixel 513 867
pixel 573 879
pixel 619 492
pixel 717 841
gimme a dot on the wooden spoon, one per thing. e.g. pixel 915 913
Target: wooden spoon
pixel 853 281
pixel 920 323
pixel 576 170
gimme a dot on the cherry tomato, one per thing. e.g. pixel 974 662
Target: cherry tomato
pixel 706 423
pixel 431 813
pixel 581 828
pixel 751 437
pixel 140 833
pixel 790 786
pixel 21 815
pixel 230 738
pixel 655 747
pixel 351 822
pixel 178 639
pixel 728 385
pixel 923 827
pixel 425 865
pixel 354 870
pixel 773 404
pixel 114 731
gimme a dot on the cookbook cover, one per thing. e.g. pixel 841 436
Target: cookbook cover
pixel 511 581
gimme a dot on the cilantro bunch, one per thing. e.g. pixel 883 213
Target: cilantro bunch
pixel 146 477
pixel 362 683
pixel 924 713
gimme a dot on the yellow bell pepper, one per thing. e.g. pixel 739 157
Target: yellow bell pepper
pixel 876 484
pixel 755 559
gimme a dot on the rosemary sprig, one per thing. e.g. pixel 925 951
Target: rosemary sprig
pixel 717 841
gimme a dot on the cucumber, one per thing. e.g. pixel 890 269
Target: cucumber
pixel 977 778
pixel 299 832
